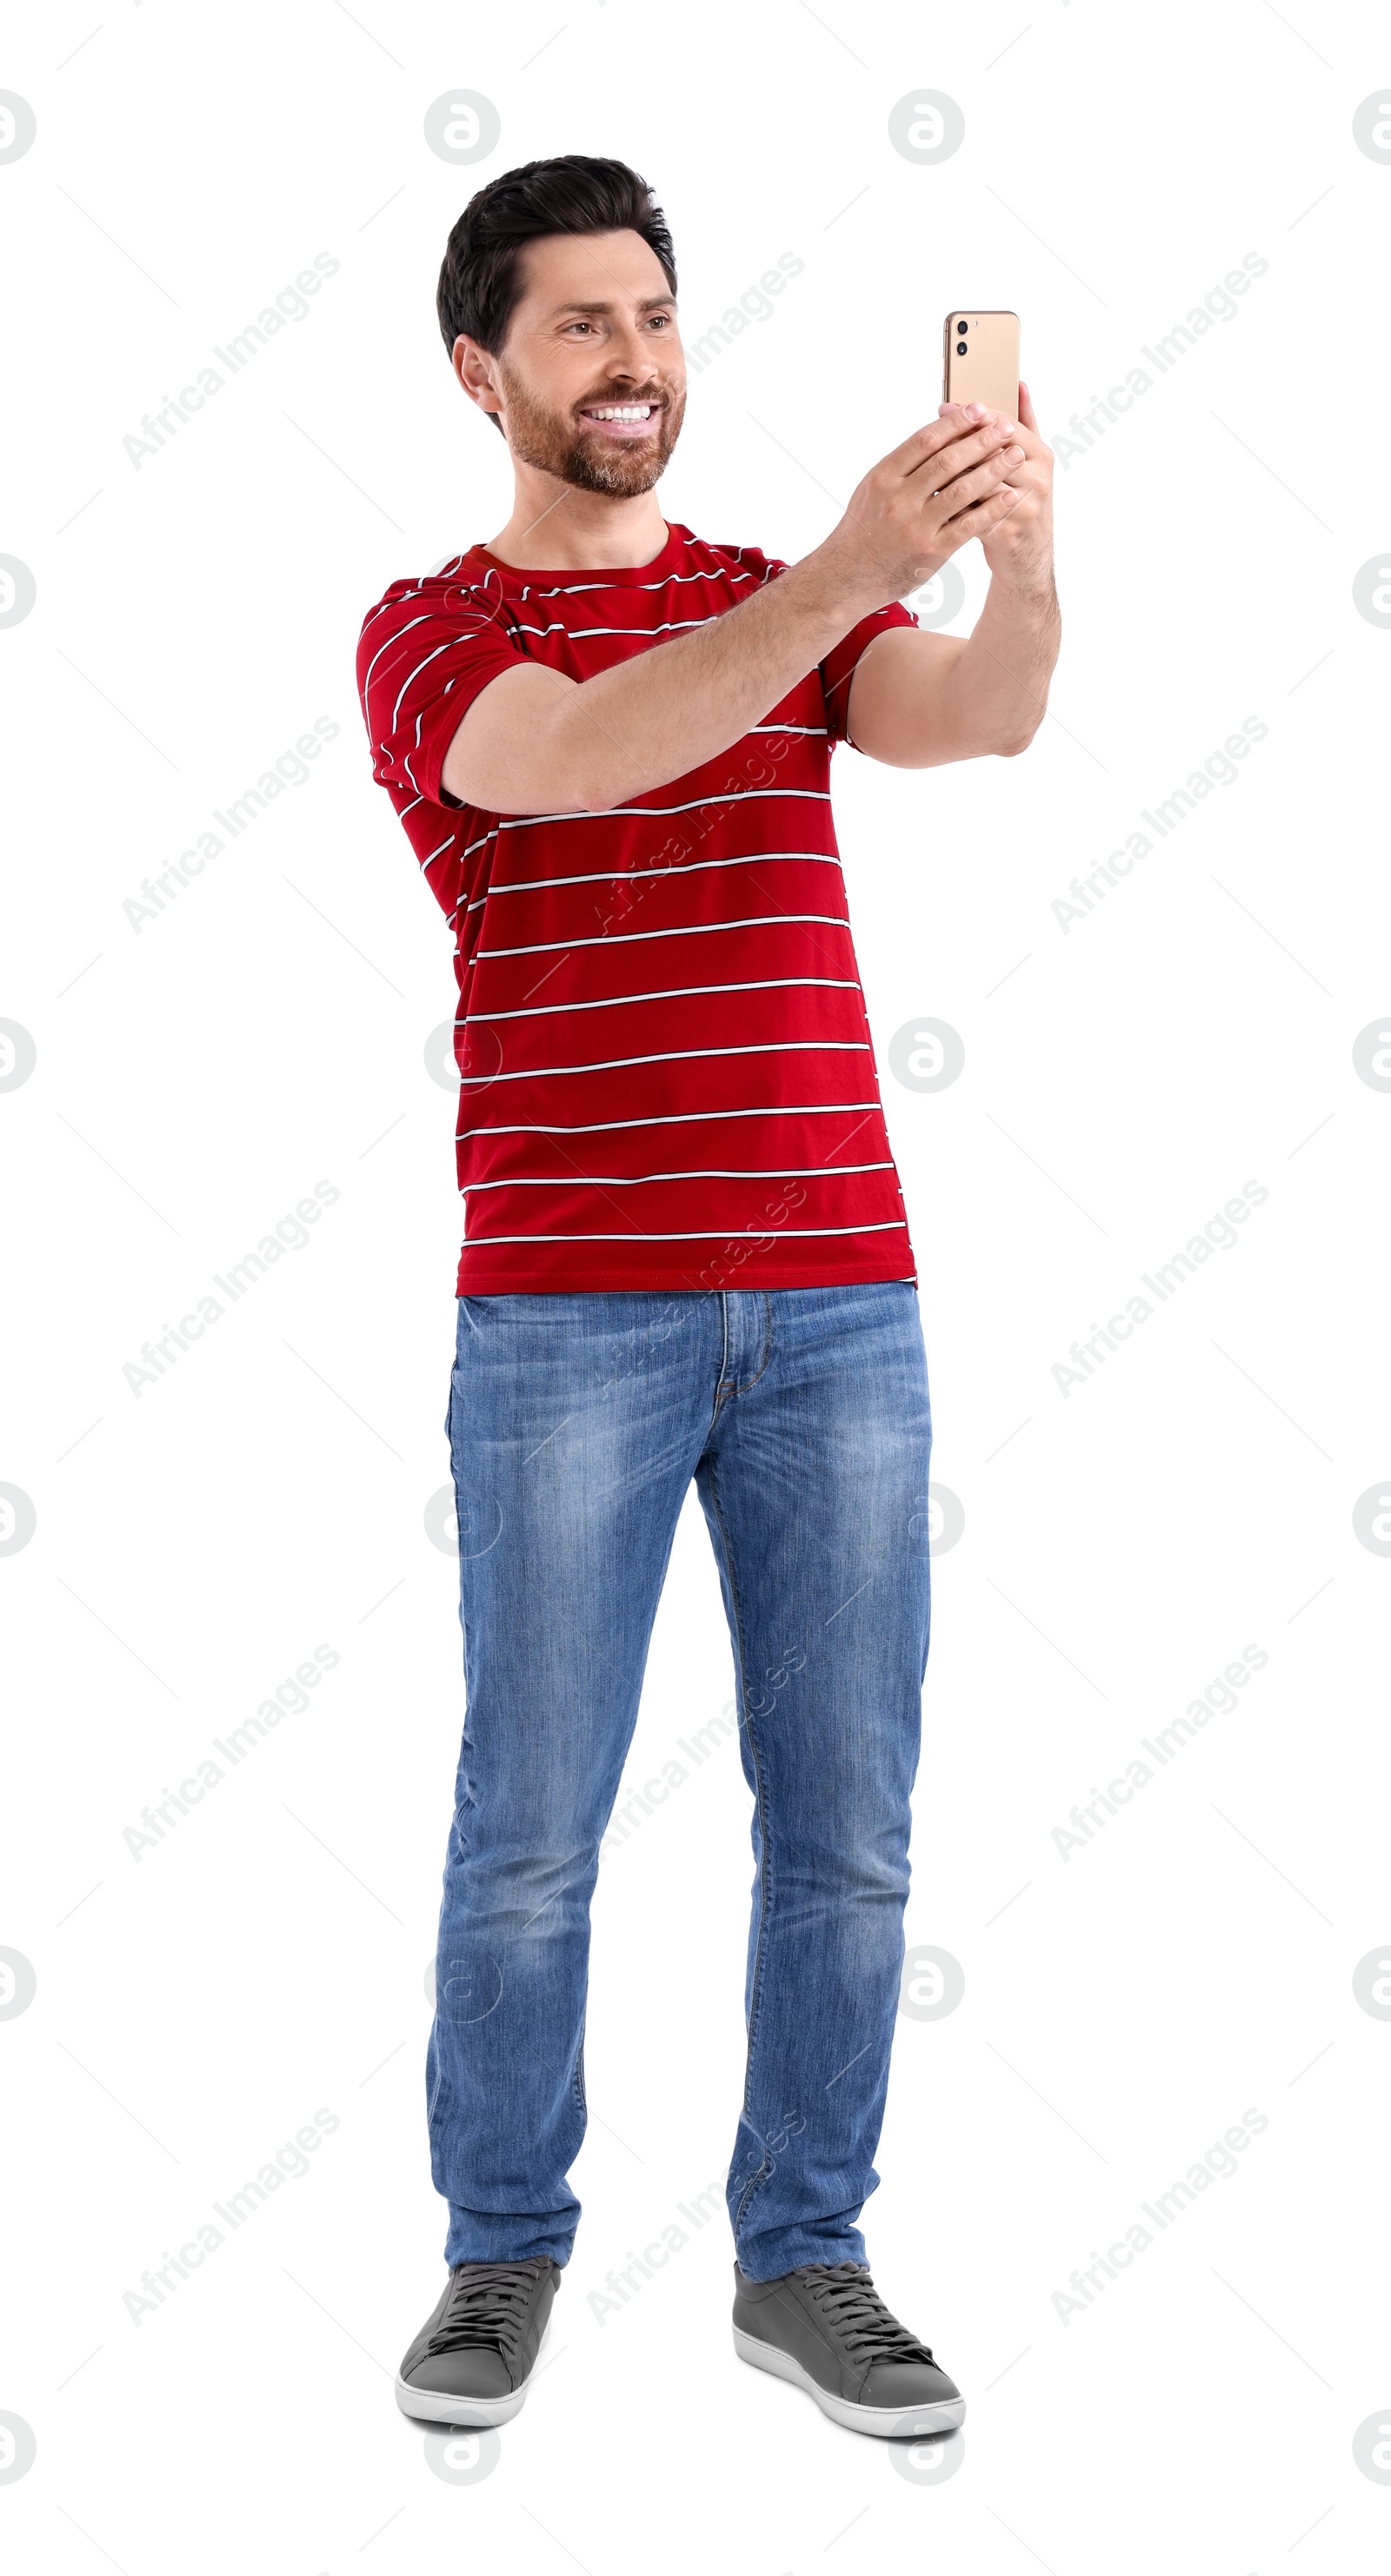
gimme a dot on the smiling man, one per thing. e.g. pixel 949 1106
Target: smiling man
pixel 685 1251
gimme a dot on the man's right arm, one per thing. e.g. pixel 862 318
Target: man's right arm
pixel 535 741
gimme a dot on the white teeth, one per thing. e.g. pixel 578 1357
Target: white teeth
pixel 620 411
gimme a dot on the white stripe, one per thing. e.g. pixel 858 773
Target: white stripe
pixel 676 1118
pixel 581 634
pixel 572 589
pixel 686 930
pixel 420 666
pixel 388 607
pixel 406 763
pixel 668 993
pixel 622 876
pixel 488 581
pixel 677 1055
pixel 699 1234
pixel 602 813
pixel 480 843
pixel 639 1180
pixel 394 638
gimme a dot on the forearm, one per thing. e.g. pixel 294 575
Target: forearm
pixel 685 701
pixel 995 694
pixel 599 742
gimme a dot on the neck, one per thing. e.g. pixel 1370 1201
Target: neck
pixel 555 527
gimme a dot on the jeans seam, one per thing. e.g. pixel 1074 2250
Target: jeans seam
pixel 579 2091
pixel 721 1390
pixel 767 1344
pixel 764 1863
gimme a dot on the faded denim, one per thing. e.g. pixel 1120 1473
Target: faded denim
pixel 576 1423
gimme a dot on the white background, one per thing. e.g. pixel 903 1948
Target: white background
pixel 1123 1078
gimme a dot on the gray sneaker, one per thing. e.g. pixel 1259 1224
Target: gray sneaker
pixel 472 2360
pixel 826 2329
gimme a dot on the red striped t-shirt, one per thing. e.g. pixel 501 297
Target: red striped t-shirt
pixel 667 1077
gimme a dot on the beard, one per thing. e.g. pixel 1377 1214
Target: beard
pixel 555 443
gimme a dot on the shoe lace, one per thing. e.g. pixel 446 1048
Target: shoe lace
pixel 487 2305
pixel 851 2305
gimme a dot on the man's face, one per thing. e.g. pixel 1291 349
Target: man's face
pixel 590 383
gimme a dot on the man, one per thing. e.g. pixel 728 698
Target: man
pixel 685 1250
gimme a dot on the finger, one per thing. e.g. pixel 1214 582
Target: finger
pixel 1026 409
pixel 985 515
pixel 1026 433
pixel 979 480
pixel 935 435
pixel 968 449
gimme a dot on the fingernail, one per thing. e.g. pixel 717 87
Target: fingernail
pixel 975 411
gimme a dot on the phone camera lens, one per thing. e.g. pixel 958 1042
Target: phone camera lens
pixel 961 348
pixel 961 326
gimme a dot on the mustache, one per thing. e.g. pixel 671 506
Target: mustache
pixel 603 401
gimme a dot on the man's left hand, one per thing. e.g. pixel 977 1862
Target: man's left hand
pixel 1019 551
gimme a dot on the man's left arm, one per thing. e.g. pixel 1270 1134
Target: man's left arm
pixel 917 700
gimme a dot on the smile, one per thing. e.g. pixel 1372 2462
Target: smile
pixel 621 420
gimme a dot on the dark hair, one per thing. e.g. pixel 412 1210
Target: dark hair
pixel 479 285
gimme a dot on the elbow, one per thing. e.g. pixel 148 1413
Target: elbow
pixel 544 782
pixel 578 771
pixel 1017 739
pixel 593 795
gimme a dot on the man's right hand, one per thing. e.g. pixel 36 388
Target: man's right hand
pixel 922 503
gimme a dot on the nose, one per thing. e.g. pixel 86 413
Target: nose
pixel 628 356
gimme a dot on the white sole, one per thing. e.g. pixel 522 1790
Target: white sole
pixel 899 2422
pixel 431 2406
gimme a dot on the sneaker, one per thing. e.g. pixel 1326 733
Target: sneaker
pixel 826 2329
pixel 472 2360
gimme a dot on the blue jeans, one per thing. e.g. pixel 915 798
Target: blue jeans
pixel 576 1423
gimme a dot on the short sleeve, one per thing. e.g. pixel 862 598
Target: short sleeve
pixel 838 669
pixel 426 651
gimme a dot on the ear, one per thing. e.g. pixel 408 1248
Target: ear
pixel 473 365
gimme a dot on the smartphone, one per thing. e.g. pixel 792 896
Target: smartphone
pixel 980 359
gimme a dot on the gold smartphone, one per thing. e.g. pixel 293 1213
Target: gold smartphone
pixel 980 359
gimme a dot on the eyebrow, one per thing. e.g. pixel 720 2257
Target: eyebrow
pixel 647 304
